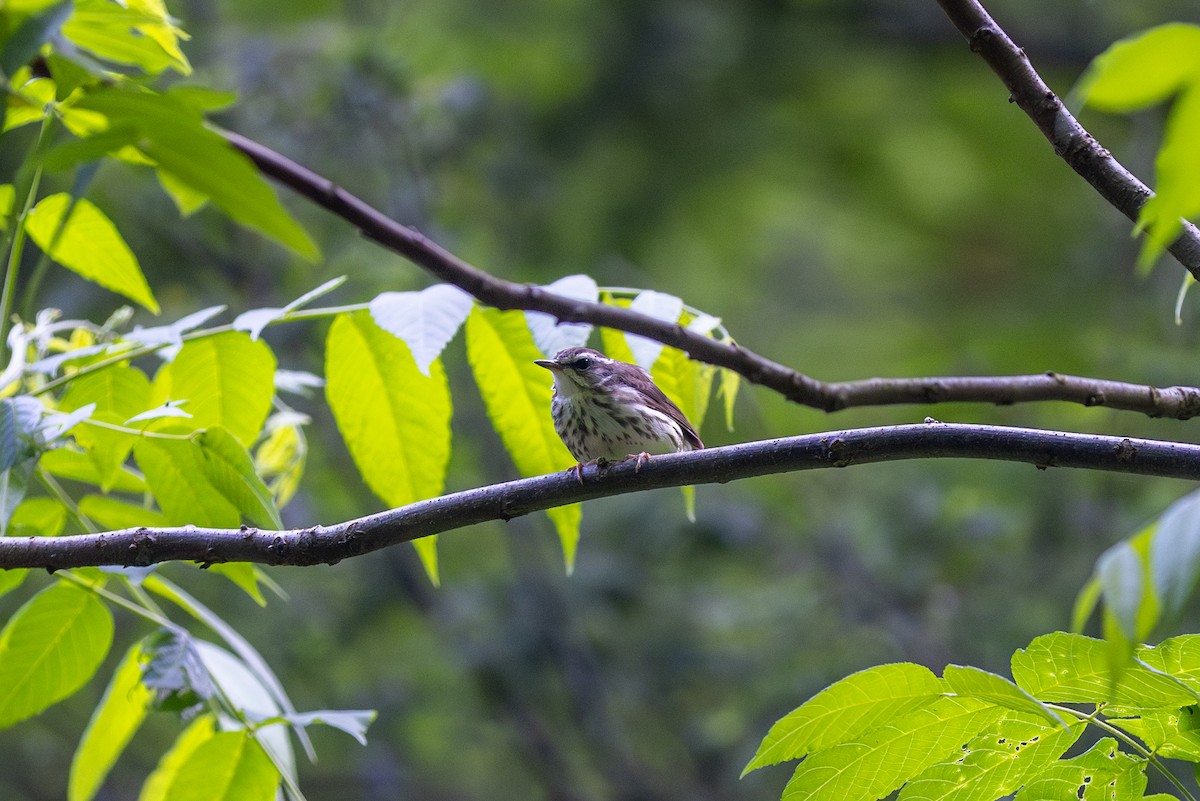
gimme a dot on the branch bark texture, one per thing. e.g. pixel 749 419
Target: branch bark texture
pixel 1175 402
pixel 330 544
pixel 1071 141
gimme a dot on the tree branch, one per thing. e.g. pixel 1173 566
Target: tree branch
pixel 1175 402
pixel 1071 141
pixel 330 544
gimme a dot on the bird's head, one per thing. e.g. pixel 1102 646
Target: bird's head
pixel 581 370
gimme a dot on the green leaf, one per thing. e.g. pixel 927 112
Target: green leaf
pixel 1101 773
pixel 127 33
pixel 730 381
pixel 243 574
pixel 882 759
pixel 119 392
pixel 1143 70
pixel 28 38
pixel 245 651
pixel 11 578
pixel 228 766
pixel 425 320
pixel 859 703
pixel 1071 668
pixel 1085 604
pixel 1175 553
pixel 158 784
pixel 688 383
pixel 1011 753
pixel 228 467
pixel 114 514
pixel 50 647
pixel 89 245
pixel 395 421
pixel 175 137
pixel 38 517
pixel 1121 571
pixel 174 473
pixel 1178 657
pixel 1171 733
pixel 226 379
pixel 975 683
pixel 516 393
pixel 78 466
pixel 118 715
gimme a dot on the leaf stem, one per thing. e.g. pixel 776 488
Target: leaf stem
pixel 17 248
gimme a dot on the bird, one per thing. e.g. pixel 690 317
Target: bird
pixel 606 410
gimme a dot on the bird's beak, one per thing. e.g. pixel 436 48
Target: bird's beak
pixel 549 364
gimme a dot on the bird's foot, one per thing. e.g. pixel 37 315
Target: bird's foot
pixel 639 460
pixel 601 464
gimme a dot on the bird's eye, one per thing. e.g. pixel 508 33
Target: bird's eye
pixel 582 363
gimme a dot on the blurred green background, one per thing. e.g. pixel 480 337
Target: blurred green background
pixel 847 187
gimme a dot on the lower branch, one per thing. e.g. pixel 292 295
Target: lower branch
pixel 330 544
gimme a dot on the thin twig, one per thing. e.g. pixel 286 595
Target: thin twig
pixel 1071 141
pixel 329 544
pixel 1174 402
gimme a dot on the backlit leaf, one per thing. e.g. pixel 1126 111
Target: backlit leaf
pixel 226 379
pixel 118 715
pixel 228 766
pixel 49 648
pixel 516 393
pixel 858 703
pixel 89 245
pixel 394 419
pixel 159 782
pixel 881 760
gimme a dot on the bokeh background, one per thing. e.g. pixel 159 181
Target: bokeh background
pixel 847 187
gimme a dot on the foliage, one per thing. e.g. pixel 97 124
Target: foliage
pixel 95 435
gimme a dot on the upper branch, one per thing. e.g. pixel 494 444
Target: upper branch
pixel 329 544
pixel 1175 402
pixel 1071 140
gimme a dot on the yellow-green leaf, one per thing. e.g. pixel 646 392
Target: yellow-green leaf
pixel 157 785
pixel 227 380
pixel 228 467
pixel 517 392
pixel 50 647
pixel 229 766
pixel 89 245
pixel 174 474
pixel 116 718
pixel 395 421
pixel 119 393
pixel 113 514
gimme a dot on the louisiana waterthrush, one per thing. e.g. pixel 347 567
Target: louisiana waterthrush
pixel 605 410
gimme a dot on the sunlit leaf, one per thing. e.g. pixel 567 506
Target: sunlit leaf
pixel 516 392
pixel 89 245
pixel 172 334
pixel 858 703
pixel 228 766
pixel 174 473
pixel 1102 772
pixel 159 783
pixel 118 715
pixel 1072 668
pixel 394 419
pixel 425 320
pixel 114 514
pixel 1175 553
pixel 119 392
pixel 49 648
pixel 175 137
pixel 883 759
pixel 1143 70
pixel 975 683
pixel 77 466
pixel 226 379
pixel 38 517
pixel 1012 752
pixel 228 467
pixel 126 34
